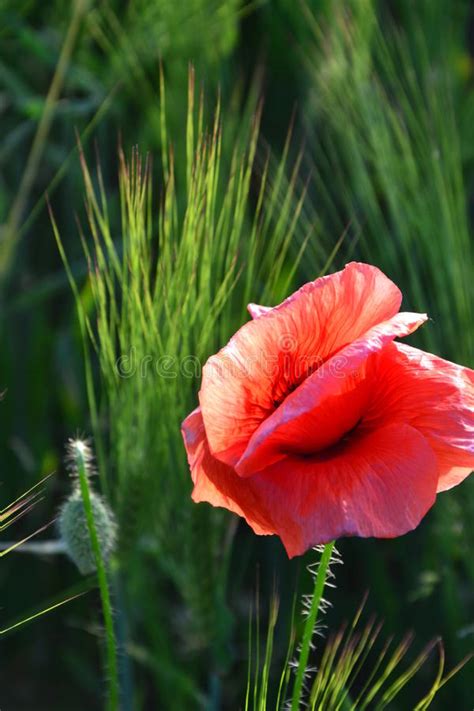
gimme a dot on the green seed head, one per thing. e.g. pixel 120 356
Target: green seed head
pixel 74 531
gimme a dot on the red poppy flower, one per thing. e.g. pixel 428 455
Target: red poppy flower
pixel 314 424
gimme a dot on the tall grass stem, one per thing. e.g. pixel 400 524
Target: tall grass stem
pixel 10 238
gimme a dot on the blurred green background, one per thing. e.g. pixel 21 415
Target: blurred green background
pixel 380 100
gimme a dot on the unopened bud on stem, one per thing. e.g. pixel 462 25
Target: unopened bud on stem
pixel 83 511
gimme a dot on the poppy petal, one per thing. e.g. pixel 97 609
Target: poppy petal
pixel 215 482
pixel 381 484
pixel 255 310
pixel 269 356
pixel 452 477
pixel 433 395
pixel 327 405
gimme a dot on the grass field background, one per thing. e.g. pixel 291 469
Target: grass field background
pixel 196 156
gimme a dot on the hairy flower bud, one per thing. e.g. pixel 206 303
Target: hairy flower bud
pixel 74 531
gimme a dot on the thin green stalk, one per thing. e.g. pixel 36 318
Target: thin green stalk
pixel 42 612
pixel 312 618
pixel 10 237
pixel 111 647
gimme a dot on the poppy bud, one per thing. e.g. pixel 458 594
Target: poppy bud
pixel 74 531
